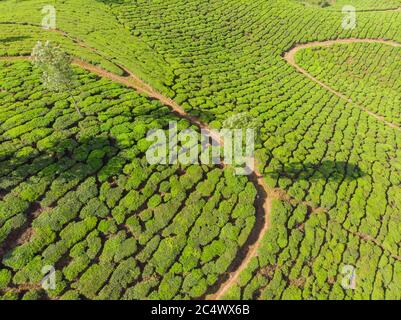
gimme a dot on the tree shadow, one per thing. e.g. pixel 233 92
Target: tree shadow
pixel 325 170
pixel 203 115
pixel 67 158
pixel 13 39
pixel 31 176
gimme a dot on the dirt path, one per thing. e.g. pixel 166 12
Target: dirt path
pixel 263 201
pixel 289 56
pixel 264 197
pixel 255 237
pixel 264 194
pixel 140 86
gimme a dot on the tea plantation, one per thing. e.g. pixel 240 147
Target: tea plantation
pixel 376 85
pixel 77 192
pixel 86 200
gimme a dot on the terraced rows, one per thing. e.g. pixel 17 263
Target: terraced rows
pixel 367 73
pixel 304 253
pixel 218 58
pixel 19 39
pixel 78 194
pixel 360 5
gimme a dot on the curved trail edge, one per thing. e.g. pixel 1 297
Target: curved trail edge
pixel 263 200
pixel 265 195
pixel 289 56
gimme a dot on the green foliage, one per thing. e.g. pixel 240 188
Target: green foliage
pixel 94 278
pixel 85 184
pixel 106 219
pixel 54 65
pixel 5 278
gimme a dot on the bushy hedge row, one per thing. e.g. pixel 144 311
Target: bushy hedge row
pixel 218 58
pixel 375 85
pixel 112 225
pixel 358 4
pixel 303 256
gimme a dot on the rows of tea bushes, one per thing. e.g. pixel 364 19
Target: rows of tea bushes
pixel 18 40
pixel 207 56
pixel 225 60
pixel 360 5
pixel 218 58
pixel 368 73
pixel 308 255
pixel 95 24
pixel 316 146
pixel 78 194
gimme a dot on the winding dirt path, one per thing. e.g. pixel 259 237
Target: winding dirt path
pixel 262 210
pixel 289 56
pixel 264 197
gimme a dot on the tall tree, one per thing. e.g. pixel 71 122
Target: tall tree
pixel 243 120
pixel 55 64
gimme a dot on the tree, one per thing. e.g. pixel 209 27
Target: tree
pixel 242 121
pixel 56 69
pixel 324 3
